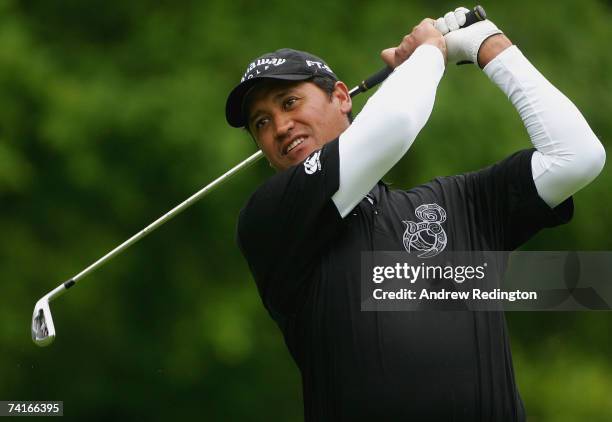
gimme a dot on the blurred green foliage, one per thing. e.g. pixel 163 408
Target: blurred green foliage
pixel 112 112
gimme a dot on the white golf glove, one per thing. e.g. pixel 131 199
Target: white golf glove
pixel 462 44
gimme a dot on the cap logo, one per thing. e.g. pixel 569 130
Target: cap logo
pixel 270 61
pixel 319 65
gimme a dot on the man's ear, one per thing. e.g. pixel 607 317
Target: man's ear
pixel 341 94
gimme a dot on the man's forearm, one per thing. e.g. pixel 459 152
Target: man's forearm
pixel 387 125
pixel 569 154
pixel 491 47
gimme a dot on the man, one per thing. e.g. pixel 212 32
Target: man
pixel 303 230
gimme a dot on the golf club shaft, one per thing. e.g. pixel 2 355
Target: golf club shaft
pixel 473 16
pixel 166 217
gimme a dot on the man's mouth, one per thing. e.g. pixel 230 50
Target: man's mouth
pixel 295 143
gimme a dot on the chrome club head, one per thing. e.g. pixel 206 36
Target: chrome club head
pixel 43 331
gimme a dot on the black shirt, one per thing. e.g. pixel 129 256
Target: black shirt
pixel 388 366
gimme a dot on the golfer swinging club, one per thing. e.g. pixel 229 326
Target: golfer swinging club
pixel 303 230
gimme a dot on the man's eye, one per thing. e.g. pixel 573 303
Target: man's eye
pixel 260 123
pixel 289 102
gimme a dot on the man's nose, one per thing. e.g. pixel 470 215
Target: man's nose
pixel 284 124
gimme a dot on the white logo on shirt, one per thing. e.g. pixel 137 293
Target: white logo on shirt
pixel 432 216
pixel 312 163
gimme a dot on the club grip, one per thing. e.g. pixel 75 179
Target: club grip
pixel 373 80
pixel 475 15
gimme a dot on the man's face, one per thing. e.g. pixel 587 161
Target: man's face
pixel 289 120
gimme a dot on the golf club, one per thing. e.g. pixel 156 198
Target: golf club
pixel 43 330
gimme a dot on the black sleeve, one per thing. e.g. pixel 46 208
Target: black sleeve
pixel 286 224
pixel 511 210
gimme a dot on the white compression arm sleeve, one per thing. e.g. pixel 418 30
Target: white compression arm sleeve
pixel 568 155
pixel 387 125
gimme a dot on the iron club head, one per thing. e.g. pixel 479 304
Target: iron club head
pixel 43 330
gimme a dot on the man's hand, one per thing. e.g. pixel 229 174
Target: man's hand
pixel 465 45
pixel 423 33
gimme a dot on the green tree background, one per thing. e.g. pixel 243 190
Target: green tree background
pixel 112 112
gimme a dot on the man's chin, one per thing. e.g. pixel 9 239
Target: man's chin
pixel 296 156
pixel 300 153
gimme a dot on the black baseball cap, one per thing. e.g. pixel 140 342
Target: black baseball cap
pixel 284 64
